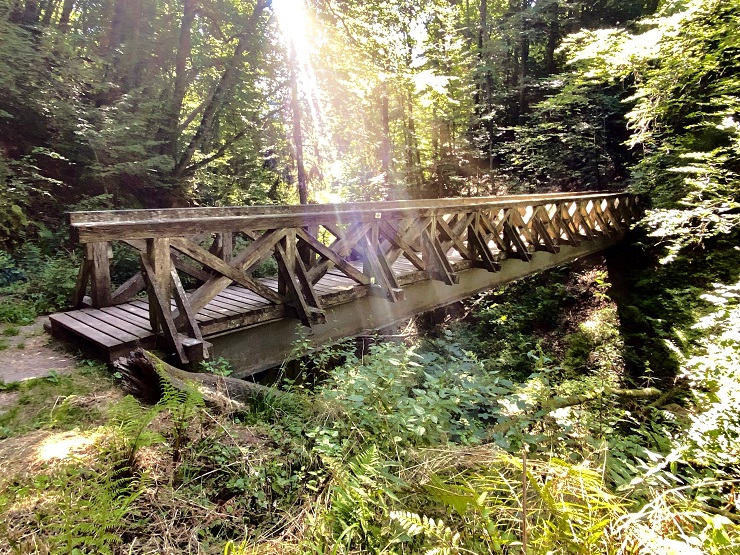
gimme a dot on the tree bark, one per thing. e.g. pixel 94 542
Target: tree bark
pixel 295 108
pixel 224 86
pixel 180 85
pixel 143 373
pixel 67 7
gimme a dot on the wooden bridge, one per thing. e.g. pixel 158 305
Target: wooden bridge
pixel 342 269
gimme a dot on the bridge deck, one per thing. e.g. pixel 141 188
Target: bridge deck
pixel 342 268
pixel 111 332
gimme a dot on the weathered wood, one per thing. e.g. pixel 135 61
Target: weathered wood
pixel 187 321
pixel 437 265
pixel 514 242
pixel 159 303
pixel 83 278
pixel 128 290
pixel 142 375
pixel 227 270
pixel 398 240
pixel 400 243
pixel 201 213
pixel 479 250
pixel 303 300
pixel 100 286
pixel 183 224
pixel 377 267
pixel 332 256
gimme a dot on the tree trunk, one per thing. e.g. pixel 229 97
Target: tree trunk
pixel 142 375
pixel 553 36
pixel 523 61
pixel 295 108
pixel 385 145
pixel 66 13
pixel 224 86
pixel 180 85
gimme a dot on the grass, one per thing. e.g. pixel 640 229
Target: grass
pixel 11 331
pixel 59 402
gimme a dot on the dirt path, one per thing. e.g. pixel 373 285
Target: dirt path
pixel 31 354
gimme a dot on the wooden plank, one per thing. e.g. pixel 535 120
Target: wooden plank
pixel 248 295
pixel 343 247
pixel 206 212
pixel 129 289
pixel 229 271
pixel 227 302
pixel 304 301
pixel 329 254
pixel 222 308
pixel 479 249
pixel 156 262
pixel 129 316
pixel 83 278
pixel 454 233
pixel 193 344
pixel 520 249
pixel 438 267
pixel 544 235
pixel 378 268
pixel 163 310
pixel 244 300
pixel 119 323
pixel 260 249
pixel 393 235
pixel 100 231
pixel 80 329
pixel 122 337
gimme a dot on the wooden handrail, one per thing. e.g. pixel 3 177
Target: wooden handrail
pixel 92 216
pixel 89 227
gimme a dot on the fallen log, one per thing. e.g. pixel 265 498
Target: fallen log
pixel 142 374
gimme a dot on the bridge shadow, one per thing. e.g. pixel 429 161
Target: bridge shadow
pixel 658 303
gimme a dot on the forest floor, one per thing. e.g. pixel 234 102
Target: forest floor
pixel 32 353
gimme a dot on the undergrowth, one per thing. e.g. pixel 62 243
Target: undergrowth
pixel 431 446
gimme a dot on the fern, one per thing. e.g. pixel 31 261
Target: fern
pixel 446 542
pixel 92 509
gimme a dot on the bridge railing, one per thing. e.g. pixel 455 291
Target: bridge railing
pixel 220 246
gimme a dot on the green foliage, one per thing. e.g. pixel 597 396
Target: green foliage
pixel 396 396
pixel 507 321
pixel 570 138
pixel 220 366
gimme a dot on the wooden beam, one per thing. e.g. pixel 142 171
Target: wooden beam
pixel 157 257
pixel 229 271
pixel 83 278
pixel 129 289
pixel 438 267
pixel 329 254
pixel 381 273
pixel 160 304
pixel 303 299
pixel 478 246
pixel 517 245
pixel 395 238
pixel 100 286
pixel 196 350
pixel 454 237
pixel 87 228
